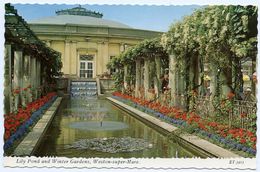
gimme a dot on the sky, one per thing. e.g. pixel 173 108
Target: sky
pixel 157 18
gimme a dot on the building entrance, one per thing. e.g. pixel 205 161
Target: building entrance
pixel 86 66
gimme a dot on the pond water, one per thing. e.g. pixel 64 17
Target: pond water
pixel 96 128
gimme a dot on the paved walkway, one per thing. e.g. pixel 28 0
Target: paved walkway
pixel 191 139
pixel 32 140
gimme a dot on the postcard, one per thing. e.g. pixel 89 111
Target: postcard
pixel 135 85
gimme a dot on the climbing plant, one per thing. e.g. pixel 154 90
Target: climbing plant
pixel 221 36
pixel 148 49
pixel 20 36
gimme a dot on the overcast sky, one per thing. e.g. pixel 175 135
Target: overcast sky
pixel 157 18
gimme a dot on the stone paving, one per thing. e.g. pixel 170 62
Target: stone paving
pixel 191 139
pixel 32 140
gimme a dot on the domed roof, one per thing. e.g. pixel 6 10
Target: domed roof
pixel 79 16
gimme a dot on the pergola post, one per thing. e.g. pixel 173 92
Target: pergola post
pixel 36 79
pixel 138 77
pixel 39 78
pixel 29 81
pixel 225 88
pixel 146 77
pixel 22 81
pixel 44 83
pixel 157 82
pixel 66 64
pixel 8 79
pixel 125 77
pixel 17 76
pixel 33 77
pixel 213 82
pixel 180 97
pixel 26 70
pixel 172 78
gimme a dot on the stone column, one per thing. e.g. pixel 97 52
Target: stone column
pixel 38 69
pixel 26 70
pixel 73 59
pixel 105 58
pixel 138 77
pixel 8 80
pixel 172 78
pixel 22 103
pixel 225 88
pixel 197 72
pixel 125 77
pixel 146 77
pixel 36 79
pixel 33 77
pixel 157 83
pixel 29 78
pixel 180 86
pixel 66 64
pixel 99 59
pixel 17 75
pixel 213 82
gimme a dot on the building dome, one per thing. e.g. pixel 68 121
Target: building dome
pixel 79 16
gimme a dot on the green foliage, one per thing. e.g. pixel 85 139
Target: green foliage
pixel 19 35
pixel 220 35
pixel 119 79
pixel 146 49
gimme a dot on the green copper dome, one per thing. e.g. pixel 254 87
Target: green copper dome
pixel 80 12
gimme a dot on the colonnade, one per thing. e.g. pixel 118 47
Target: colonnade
pixel 149 73
pixel 23 78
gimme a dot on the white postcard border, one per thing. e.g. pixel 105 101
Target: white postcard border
pixel 233 164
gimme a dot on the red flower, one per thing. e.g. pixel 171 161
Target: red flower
pixel 212 124
pixel 202 126
pixel 184 116
pixel 242 141
pixel 253 139
pixel 249 133
pixel 13 121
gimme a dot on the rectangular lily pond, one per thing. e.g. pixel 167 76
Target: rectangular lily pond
pixel 95 128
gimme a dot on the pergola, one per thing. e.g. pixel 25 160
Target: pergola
pixel 28 62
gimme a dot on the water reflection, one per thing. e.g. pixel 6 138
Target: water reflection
pixel 61 134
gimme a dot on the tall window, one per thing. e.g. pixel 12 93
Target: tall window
pixel 86 66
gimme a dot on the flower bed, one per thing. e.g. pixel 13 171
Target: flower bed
pixel 17 125
pixel 235 138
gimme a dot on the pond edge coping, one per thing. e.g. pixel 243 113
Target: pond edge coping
pixel 193 140
pixel 31 142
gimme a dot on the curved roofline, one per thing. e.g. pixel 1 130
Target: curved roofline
pixel 94 26
pixel 97 31
pixel 78 20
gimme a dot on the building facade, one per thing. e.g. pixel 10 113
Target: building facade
pixel 86 41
